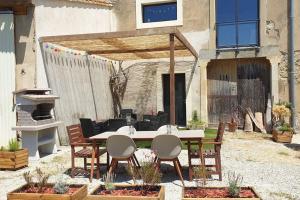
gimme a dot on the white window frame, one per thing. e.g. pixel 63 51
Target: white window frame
pixel 139 14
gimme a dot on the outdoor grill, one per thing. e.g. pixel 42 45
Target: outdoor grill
pixel 35 120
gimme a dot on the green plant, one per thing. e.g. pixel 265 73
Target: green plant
pixel 13 145
pixel 234 180
pixel 2 148
pixel 285 127
pixel 195 122
pixel 60 187
pixel 41 178
pixel 109 182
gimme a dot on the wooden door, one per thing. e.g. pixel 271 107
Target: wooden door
pixel 180 97
pixel 221 91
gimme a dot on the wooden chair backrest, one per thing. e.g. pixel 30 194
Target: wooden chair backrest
pixel 75 134
pixel 220 133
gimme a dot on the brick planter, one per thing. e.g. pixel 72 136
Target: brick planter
pixel 13 160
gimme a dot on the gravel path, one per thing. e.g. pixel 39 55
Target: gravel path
pixel 272 169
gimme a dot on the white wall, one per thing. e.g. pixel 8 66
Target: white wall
pixel 56 17
pixel 7 77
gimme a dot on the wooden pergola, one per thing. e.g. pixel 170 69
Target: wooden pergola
pixel 154 43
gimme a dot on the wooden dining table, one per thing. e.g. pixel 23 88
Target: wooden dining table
pixel 183 135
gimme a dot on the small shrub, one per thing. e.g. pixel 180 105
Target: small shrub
pixel 234 184
pixel 60 186
pixel 195 123
pixel 13 145
pixel 148 173
pixel 41 178
pixel 109 182
pixel 199 174
pixel 2 148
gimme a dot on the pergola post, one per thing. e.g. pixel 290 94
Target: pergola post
pixel 172 80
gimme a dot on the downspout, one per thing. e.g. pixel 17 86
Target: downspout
pixel 292 64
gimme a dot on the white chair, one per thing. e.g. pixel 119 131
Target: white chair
pixel 125 130
pixel 163 129
pixel 120 148
pixel 168 148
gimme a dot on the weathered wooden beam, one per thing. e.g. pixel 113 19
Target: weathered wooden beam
pixel 172 80
pixel 119 51
pixel 185 42
pixel 120 34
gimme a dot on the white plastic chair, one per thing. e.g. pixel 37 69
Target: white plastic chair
pixel 121 148
pixel 168 148
pixel 163 129
pixel 125 130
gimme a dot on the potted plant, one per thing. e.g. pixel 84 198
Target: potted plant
pixel 196 123
pixel 13 157
pixel 233 191
pixel 282 131
pixel 147 190
pixel 42 190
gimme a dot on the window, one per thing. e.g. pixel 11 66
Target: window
pixel 158 13
pixel 237 23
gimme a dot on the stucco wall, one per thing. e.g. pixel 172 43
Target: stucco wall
pixel 199 28
pixel 55 17
pixel 25 50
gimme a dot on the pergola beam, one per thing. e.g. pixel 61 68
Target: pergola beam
pixel 172 80
pixel 134 50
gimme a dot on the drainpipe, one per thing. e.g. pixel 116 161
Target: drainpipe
pixel 292 63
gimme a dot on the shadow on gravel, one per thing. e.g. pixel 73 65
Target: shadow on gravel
pixel 295 147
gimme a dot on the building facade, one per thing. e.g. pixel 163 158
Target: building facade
pixel 242 45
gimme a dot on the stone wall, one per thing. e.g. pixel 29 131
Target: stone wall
pixel 144 91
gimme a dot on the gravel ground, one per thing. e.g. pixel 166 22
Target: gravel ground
pixel 272 169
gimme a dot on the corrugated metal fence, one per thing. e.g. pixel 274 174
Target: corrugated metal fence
pixel 7 77
pixel 82 82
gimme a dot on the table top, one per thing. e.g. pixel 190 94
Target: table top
pixel 149 135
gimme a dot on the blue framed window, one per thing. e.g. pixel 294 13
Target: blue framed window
pixel 159 12
pixel 237 23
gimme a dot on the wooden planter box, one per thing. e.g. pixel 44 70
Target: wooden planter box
pixel 282 136
pixel 13 160
pixel 80 194
pixel 226 198
pixel 161 195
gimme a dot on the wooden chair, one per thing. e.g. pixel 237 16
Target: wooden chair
pixel 87 150
pixel 214 153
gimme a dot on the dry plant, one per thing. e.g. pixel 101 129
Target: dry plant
pixel 148 173
pixel 41 178
pixel 199 174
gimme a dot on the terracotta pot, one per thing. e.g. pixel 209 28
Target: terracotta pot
pixel 282 136
pixel 13 160
pixel 92 196
pixel 80 194
pixel 230 198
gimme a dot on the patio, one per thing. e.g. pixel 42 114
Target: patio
pixel 272 169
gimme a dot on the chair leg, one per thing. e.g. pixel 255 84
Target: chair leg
pixel 219 167
pixel 176 165
pixel 84 164
pixel 107 160
pixel 136 161
pixel 130 163
pixel 92 165
pixel 98 163
pixel 72 161
pixel 111 167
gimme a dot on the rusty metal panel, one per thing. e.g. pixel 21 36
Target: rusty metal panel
pixel 7 77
